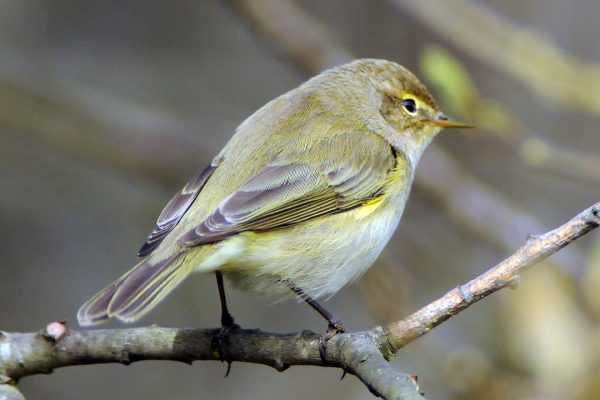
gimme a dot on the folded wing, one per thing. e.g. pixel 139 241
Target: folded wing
pixel 346 172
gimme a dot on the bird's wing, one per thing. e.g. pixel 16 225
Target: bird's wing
pixel 175 209
pixel 338 174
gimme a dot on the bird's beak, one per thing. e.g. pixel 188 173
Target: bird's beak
pixel 444 122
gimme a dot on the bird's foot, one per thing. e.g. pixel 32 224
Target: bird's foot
pixel 335 326
pixel 221 341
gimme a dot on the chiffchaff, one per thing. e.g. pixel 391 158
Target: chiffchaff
pixel 301 200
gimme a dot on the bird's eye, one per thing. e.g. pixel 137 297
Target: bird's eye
pixel 410 106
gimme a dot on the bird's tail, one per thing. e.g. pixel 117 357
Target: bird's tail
pixel 135 293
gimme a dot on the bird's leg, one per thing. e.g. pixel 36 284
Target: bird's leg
pixel 227 321
pixel 335 324
pixel 227 324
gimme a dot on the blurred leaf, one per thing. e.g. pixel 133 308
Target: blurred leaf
pixel 495 117
pixel 534 151
pixel 449 78
pixel 458 93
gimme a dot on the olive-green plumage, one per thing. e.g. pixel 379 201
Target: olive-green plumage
pixel 308 191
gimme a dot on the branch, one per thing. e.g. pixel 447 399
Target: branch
pixel 363 354
pixel 24 354
pixel 304 40
pixel 506 273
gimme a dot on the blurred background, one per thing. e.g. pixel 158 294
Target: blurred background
pixel 107 108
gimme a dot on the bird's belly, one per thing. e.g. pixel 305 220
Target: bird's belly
pixel 320 257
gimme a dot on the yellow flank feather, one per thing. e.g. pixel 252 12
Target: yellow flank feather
pixel 368 207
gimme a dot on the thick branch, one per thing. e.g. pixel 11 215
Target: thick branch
pixel 33 353
pixel 362 354
pixel 23 354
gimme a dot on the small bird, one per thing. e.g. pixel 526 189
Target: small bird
pixel 300 201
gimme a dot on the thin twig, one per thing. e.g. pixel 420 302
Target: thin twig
pixel 502 275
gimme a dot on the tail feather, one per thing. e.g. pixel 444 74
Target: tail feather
pixel 136 292
pixel 146 286
pixel 95 310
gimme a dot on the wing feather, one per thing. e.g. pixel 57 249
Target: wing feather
pixel 289 191
pixel 175 209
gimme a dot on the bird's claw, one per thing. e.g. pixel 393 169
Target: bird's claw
pixel 333 329
pixel 221 343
